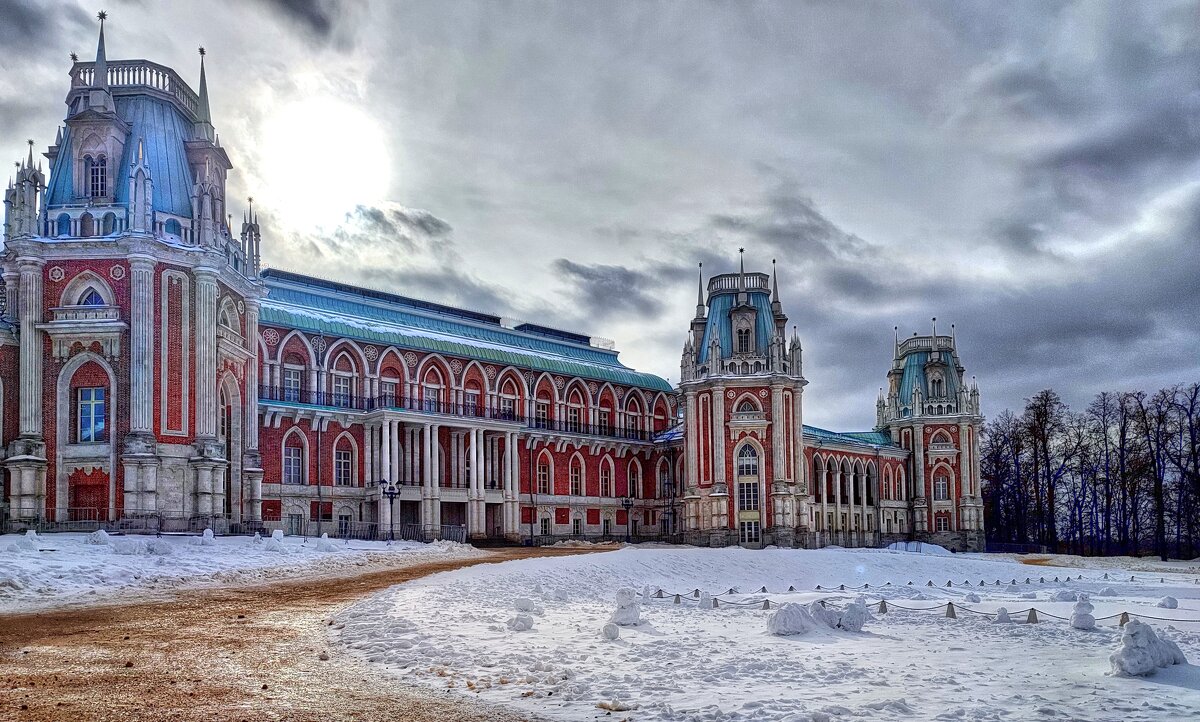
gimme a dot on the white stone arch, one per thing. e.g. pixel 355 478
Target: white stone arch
pixel 901 489
pixel 78 286
pixel 403 381
pixel 577 462
pixel 354 456
pixel 889 492
pixel 941 436
pixel 487 385
pixel 555 395
pixel 633 478
pixel 519 379
pixel 744 398
pixel 607 464
pixel 283 343
pixel 305 475
pixel 345 510
pixel 668 420
pixel 64 424
pixel 341 346
pixel 228 316
pixel 752 442
pixel 941 468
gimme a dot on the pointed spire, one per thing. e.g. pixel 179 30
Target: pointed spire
pixel 700 310
pixel 29 162
pixel 774 283
pixel 58 137
pixel 741 269
pixel 953 336
pixel 100 78
pixel 205 117
pixel 935 331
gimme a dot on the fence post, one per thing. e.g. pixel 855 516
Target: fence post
pixel 1032 619
pixel 950 611
pixel 1124 619
pixel 883 606
pixel 678 600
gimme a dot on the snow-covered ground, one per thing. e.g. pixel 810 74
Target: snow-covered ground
pixel 61 569
pixel 463 629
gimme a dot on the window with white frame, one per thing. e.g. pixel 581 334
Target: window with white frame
pixel 576 478
pixel 604 419
pixel 387 389
pixel 90 297
pixel 92 415
pixel 470 402
pixel 941 488
pixel 343 390
pixel 543 477
pixel 508 407
pixel 431 392
pixel 343 467
pixel 635 481
pixel 577 526
pixel 292 380
pixel 97 170
pixel 747 461
pixel 605 480
pixel 606 527
pixel 749 532
pixel 743 340
pixel 545 526
pixel 942 522
pixel 573 416
pixel 748 496
pixel 542 415
pixel 293 465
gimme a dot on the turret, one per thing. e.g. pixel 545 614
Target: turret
pixel 99 97
pixel 23 199
pixel 141 193
pixel 251 240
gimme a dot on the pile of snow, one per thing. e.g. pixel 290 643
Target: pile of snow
pixel 972 598
pixel 854 616
pixel 31 542
pixel 1107 592
pixel 919 548
pixel 520 623
pixel 1168 603
pixel 98 538
pixel 1081 615
pixel 628 612
pixel 790 619
pixel 324 544
pixel 610 631
pixel 1002 616
pixel 1142 652
pixel 275 543
pixel 1064 595
pixel 205 540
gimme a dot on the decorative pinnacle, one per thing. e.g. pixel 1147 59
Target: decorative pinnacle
pixel 74 58
pixel 202 51
pixel 102 16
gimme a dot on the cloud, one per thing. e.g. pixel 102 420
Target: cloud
pixel 30 26
pixel 329 21
pixel 606 290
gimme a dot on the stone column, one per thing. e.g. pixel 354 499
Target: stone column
pixel 394 451
pixel 823 472
pixel 918 477
pixel 837 498
pixel 509 467
pixel 437 462
pixel 778 446
pixel 141 344
pixel 427 520
pixel 206 353
pixel 32 351
pixel 718 432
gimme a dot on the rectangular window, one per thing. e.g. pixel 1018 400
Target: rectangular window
pixel 343 391
pixel 943 523
pixel 343 525
pixel 295 523
pixel 545 526
pixel 651 517
pixel 98 180
pixel 577 527
pixel 606 527
pixel 748 496
pixel 92 415
pixel 291 385
pixel 343 474
pixel 542 415
pixel 432 398
pixel 573 419
pixel 293 465
pixel 603 420
pixel 605 480
pixel 941 488
pixel 543 479
pixel 508 407
pixel 471 403
pixel 749 532
pixel 387 390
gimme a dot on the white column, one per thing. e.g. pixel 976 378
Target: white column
pixel 394 451
pixel 385 451
pixel 251 424
pixel 837 498
pixel 426 476
pixel 778 446
pixel 141 344
pixel 206 353
pixel 32 351
pixel 823 474
pixel 718 434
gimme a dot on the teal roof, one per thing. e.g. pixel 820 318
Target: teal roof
pixel 721 324
pixel 163 131
pixel 914 375
pixel 861 438
pixel 334 309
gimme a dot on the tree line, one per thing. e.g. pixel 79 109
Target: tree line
pixel 1120 477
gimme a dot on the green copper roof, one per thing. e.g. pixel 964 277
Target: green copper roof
pixel 861 438
pixel 334 309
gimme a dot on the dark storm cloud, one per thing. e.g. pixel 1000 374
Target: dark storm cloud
pixel 26 26
pixel 603 290
pixel 332 22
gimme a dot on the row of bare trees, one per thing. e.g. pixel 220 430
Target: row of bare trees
pixel 1120 477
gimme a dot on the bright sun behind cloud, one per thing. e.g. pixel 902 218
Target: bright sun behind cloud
pixel 312 155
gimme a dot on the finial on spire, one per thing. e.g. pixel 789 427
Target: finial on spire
pixel 203 115
pixel 935 330
pixel 741 269
pixel 100 73
pixel 202 51
pixel 30 161
pixel 700 292
pixel 74 58
pixel 774 282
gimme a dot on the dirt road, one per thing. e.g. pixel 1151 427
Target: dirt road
pixel 248 653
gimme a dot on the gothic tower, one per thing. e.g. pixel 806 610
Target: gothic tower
pixel 742 383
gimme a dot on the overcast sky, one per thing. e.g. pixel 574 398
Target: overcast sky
pixel 1026 171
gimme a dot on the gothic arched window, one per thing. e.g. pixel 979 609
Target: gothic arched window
pixel 97 175
pixel 747 461
pixel 941 488
pixel 90 297
pixel 743 340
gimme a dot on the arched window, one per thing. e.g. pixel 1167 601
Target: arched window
pixel 543 475
pixel 747 461
pixel 90 297
pixel 343 462
pixel 635 480
pixel 108 224
pixel 87 225
pixel 576 473
pixel 743 340
pixel 97 175
pixel 173 228
pixel 747 407
pixel 432 391
pixel 941 487
pixel 664 480
pixel 64 224
pixel 295 470
pixel 508 400
pixel 606 477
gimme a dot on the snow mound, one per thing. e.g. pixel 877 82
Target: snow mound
pixel 159 548
pixel 28 543
pixel 98 538
pixel 854 616
pixel 628 611
pixel 1064 595
pixel 277 535
pixel 1168 603
pixel 204 540
pixel 527 605
pixel 791 619
pixel 918 548
pixel 521 623
pixel 1107 592
pixel 823 614
pixel 1142 652
pixel 972 597
pixel 324 544
pixel 275 543
pixel 1082 618
pixel 1002 616
pixel 129 547
pixel 610 631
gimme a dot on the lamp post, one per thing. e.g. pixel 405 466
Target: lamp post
pixel 627 503
pixel 391 491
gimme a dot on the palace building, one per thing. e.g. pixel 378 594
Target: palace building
pixel 154 376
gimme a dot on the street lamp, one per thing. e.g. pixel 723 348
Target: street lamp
pixel 627 503
pixel 391 491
